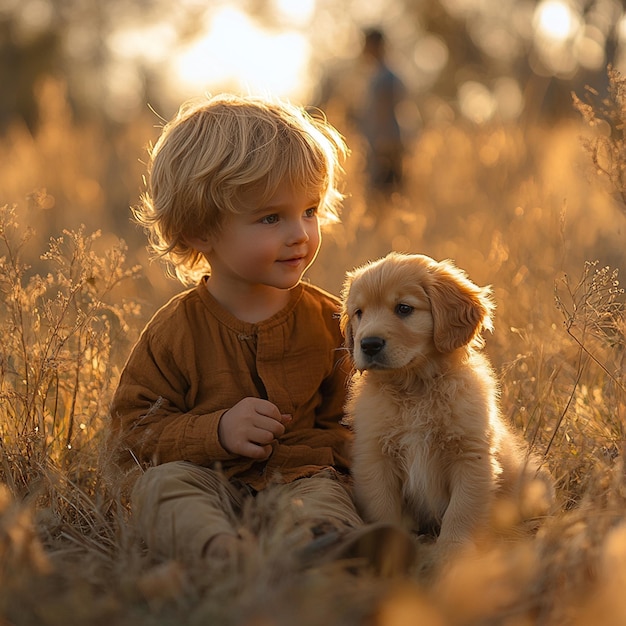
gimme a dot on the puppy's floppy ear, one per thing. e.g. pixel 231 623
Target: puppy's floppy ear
pixel 346 329
pixel 344 320
pixel 461 309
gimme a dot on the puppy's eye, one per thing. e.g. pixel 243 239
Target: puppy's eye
pixel 403 310
pixel 358 314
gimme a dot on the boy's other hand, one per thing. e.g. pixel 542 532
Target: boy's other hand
pixel 250 427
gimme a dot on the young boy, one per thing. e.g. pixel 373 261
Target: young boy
pixel 238 383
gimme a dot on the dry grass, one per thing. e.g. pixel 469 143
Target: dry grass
pixel 519 208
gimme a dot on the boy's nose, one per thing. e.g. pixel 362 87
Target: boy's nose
pixel 299 232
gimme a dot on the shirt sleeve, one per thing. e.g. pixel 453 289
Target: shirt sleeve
pixel 150 421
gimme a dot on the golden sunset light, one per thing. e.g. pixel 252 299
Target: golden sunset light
pixel 312 312
pixel 556 20
pixel 233 52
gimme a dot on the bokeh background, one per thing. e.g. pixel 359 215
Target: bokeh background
pixel 478 58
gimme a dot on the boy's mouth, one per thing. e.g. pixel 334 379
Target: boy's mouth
pixel 293 261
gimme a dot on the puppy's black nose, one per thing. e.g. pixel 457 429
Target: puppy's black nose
pixel 372 345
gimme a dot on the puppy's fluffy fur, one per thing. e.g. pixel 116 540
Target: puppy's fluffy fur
pixel 431 449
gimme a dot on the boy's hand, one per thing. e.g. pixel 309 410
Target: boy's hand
pixel 249 428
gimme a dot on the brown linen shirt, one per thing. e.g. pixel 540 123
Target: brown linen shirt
pixel 194 361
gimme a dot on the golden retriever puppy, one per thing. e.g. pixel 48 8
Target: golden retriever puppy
pixel 431 449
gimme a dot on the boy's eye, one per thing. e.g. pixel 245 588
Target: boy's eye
pixel 311 212
pixel 270 219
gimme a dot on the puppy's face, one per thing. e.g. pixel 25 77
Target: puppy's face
pixel 405 309
pixel 389 317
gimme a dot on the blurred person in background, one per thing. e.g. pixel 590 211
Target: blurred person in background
pixel 368 95
pixel 377 118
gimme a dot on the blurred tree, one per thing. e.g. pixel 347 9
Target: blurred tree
pixel 23 62
pixel 111 55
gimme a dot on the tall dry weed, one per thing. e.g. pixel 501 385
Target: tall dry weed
pixel 64 337
pixel 58 358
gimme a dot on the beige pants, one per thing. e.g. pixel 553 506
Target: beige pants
pixel 179 507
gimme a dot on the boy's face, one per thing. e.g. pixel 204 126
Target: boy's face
pixel 270 245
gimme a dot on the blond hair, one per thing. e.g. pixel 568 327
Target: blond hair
pixel 219 151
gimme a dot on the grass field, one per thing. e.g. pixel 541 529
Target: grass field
pixel 537 212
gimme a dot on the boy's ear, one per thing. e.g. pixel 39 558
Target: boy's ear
pixel 199 243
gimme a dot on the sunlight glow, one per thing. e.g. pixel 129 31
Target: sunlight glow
pixel 296 11
pixel 235 53
pixel 132 43
pixel 555 20
pixel 558 29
